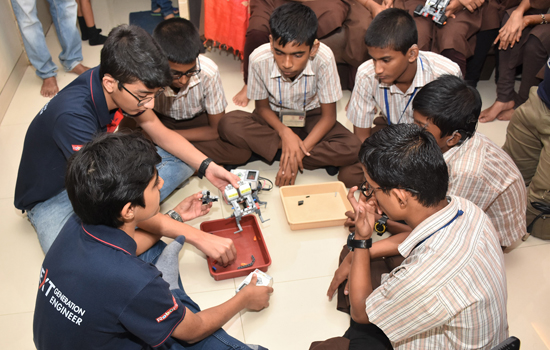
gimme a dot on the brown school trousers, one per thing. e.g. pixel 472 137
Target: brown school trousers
pixel 218 150
pixel 378 267
pixel 251 132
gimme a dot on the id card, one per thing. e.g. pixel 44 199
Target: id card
pixel 293 118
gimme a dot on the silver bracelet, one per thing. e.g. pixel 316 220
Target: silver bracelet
pixel 174 215
pixel 543 19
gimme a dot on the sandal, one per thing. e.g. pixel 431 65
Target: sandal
pixel 158 12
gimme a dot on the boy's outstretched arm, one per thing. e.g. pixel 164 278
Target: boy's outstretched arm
pixel 177 145
pixel 196 327
pixel 219 248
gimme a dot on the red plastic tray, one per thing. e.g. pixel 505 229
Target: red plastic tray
pixel 245 244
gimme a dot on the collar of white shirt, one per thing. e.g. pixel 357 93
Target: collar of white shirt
pixel 193 81
pixel 427 227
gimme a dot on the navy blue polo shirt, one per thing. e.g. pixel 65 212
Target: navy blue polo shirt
pixel 71 119
pixel 94 293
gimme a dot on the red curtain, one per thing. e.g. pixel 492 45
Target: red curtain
pixel 225 23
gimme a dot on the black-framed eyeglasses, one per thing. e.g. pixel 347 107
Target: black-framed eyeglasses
pixel 144 101
pixel 177 74
pixel 367 190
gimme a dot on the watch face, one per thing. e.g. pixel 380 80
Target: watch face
pixel 175 216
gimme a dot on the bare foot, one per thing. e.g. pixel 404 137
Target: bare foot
pixel 79 69
pixel 49 87
pixel 169 16
pixel 492 112
pixel 240 98
pixel 506 115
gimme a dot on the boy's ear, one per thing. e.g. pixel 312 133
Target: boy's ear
pixel 109 83
pixel 412 53
pixel 271 41
pixel 454 139
pixel 128 212
pixel 402 197
pixel 314 48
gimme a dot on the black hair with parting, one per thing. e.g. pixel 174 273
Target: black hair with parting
pixel 392 28
pixel 406 156
pixel 107 173
pixel 130 54
pixel 293 23
pixel 450 104
pixel 179 39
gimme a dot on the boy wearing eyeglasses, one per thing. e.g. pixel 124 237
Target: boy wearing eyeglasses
pixel 133 71
pixel 295 84
pixel 479 170
pixel 450 291
pixel 194 102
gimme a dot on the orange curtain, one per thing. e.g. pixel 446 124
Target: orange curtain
pixel 225 23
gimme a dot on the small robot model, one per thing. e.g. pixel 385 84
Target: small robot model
pixel 208 198
pixel 434 9
pixel 242 195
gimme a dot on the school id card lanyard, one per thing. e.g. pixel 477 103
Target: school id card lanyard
pixel 407 105
pixel 458 213
pixel 293 118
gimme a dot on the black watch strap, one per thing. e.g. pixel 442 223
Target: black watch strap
pixel 202 168
pixel 380 226
pixel 358 243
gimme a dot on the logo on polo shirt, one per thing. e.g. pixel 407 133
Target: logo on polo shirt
pixel 60 301
pixel 76 148
pixel 168 312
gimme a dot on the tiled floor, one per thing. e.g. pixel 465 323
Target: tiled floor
pixel 303 261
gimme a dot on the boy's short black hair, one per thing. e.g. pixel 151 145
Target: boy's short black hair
pixel 179 39
pixel 406 156
pixel 392 28
pixel 107 173
pixel 130 54
pixel 450 104
pixel 293 23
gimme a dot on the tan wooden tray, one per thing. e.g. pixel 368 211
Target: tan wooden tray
pixel 324 204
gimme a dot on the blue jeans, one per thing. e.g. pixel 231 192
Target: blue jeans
pixel 49 217
pixel 64 19
pixel 173 171
pixel 165 6
pixel 220 340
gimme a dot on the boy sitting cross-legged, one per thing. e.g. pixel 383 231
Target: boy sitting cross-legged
pixel 386 85
pixel 194 103
pixel 294 82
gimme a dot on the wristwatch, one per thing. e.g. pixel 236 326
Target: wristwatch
pixel 358 243
pixel 174 215
pixel 380 225
pixel 202 168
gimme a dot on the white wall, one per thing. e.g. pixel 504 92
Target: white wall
pixel 10 41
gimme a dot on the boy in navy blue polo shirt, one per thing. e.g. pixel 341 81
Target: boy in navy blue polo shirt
pixel 94 292
pixel 133 71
